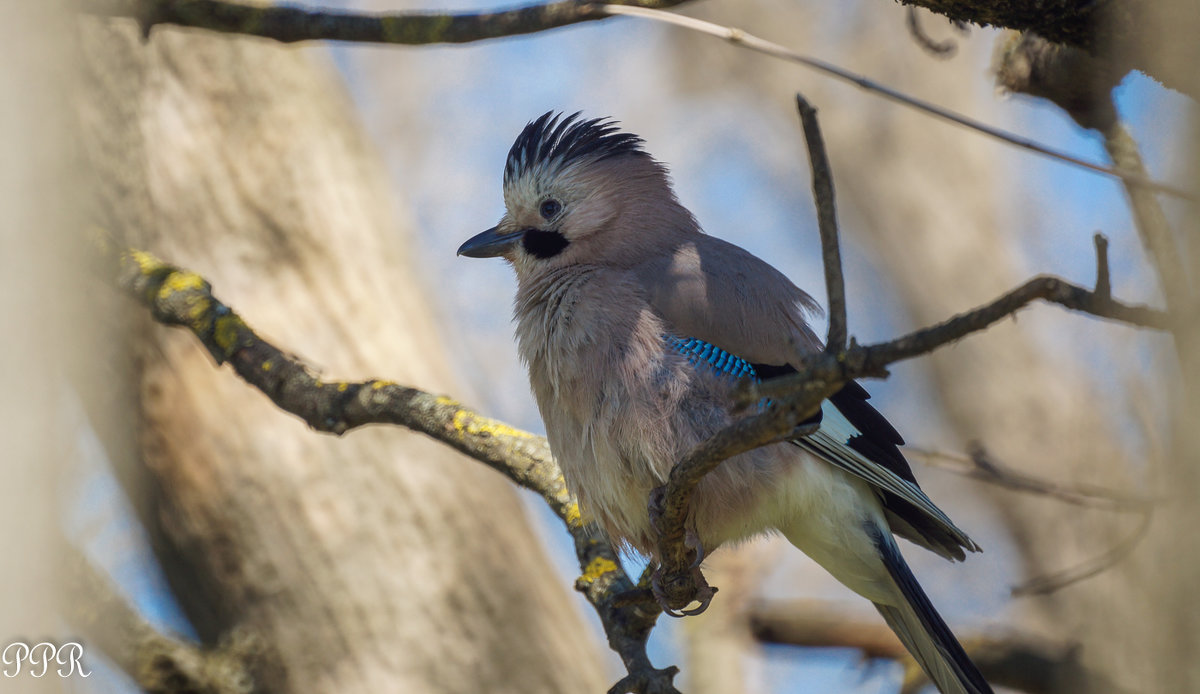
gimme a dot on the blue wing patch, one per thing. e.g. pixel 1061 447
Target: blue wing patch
pixel 700 352
pixel 855 437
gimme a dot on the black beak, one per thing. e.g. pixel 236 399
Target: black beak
pixel 490 244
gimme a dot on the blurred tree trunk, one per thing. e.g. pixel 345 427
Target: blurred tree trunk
pixel 39 302
pixel 379 561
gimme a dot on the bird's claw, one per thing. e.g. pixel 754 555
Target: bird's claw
pixel 704 593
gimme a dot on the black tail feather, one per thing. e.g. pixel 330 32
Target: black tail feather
pixel 947 664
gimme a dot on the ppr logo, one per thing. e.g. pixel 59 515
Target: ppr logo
pixel 36 660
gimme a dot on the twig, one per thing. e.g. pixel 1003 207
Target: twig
pixel 669 505
pixel 870 360
pixel 739 37
pixel 938 49
pixel 289 24
pixel 1081 84
pixel 182 298
pixel 1042 585
pixel 1021 662
pixel 156 661
pixel 1152 225
pixel 1002 476
pixel 822 182
pixel 1103 289
pixel 798 395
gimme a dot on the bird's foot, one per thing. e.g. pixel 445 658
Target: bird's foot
pixel 679 584
pixel 703 592
pixel 703 595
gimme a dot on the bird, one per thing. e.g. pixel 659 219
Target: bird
pixel 636 328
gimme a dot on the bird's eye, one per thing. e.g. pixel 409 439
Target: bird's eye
pixel 550 209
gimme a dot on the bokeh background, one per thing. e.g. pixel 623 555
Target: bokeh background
pixel 935 219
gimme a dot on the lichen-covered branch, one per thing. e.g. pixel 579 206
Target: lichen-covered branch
pixel 179 297
pixel 289 24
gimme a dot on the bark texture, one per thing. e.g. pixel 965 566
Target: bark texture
pixel 379 561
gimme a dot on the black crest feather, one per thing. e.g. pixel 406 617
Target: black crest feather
pixel 552 141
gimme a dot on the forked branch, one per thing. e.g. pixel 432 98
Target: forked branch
pixel 798 395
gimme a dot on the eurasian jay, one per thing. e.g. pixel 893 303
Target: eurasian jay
pixel 635 326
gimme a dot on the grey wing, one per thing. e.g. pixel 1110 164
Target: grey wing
pixel 715 291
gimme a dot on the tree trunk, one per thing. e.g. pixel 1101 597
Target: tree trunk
pixel 39 301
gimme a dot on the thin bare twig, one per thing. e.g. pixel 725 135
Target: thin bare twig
pixel 1022 662
pixel 939 49
pixel 182 298
pixel 740 37
pixel 979 466
pixel 860 361
pixel 822 182
pixel 1042 585
pixel 289 24
pixel 1153 228
pixel 1103 276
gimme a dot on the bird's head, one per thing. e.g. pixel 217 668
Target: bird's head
pixel 579 191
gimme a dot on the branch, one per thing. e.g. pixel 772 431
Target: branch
pixel 939 49
pixel 1103 276
pixel 1153 229
pixel 291 24
pixel 979 465
pixel 822 181
pixel 1016 661
pixel 798 395
pixel 1082 85
pixel 1044 585
pixel 157 662
pixel 1117 30
pixel 182 298
pixel 754 43
pixel 870 361
pixel 678 582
